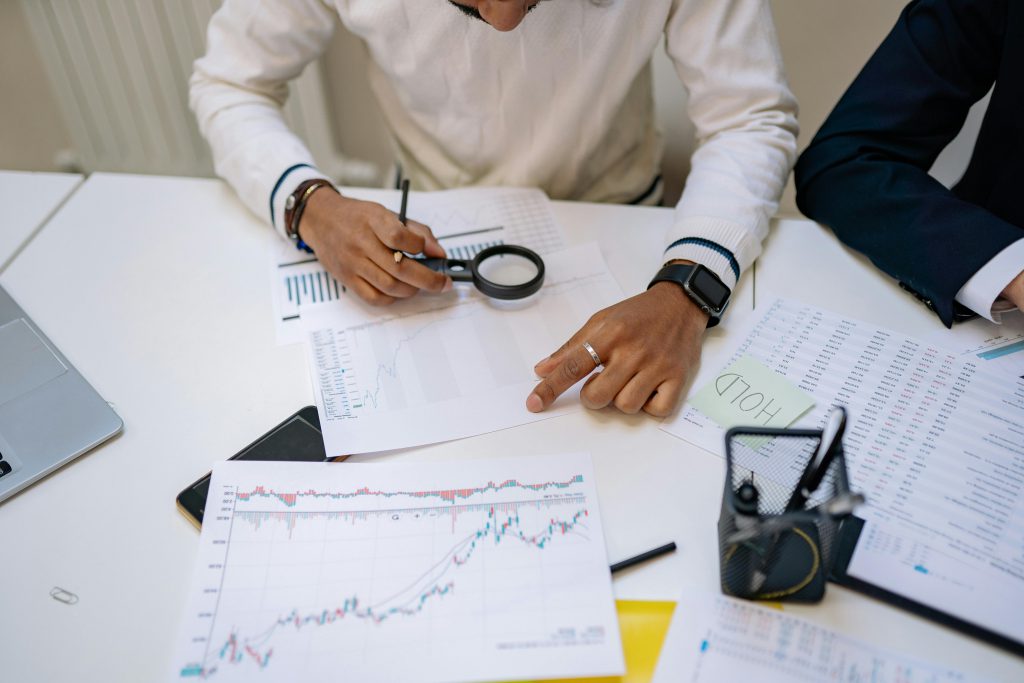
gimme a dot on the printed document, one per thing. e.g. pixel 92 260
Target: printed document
pixel 476 570
pixel 998 348
pixel 935 442
pixel 715 639
pixel 465 221
pixel 459 368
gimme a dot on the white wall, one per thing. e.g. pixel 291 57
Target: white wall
pixel 824 44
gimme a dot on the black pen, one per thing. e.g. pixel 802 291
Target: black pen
pixel 643 557
pixel 814 472
pixel 401 214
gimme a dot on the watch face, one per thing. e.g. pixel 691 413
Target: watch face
pixel 710 288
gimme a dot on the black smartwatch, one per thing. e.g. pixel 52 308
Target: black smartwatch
pixel 700 284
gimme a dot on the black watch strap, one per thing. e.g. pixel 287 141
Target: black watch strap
pixel 699 283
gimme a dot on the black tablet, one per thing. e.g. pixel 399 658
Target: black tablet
pixel 912 574
pixel 296 439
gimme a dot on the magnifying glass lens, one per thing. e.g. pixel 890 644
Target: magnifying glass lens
pixel 504 271
pixel 508 270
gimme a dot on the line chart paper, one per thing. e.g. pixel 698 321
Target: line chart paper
pixel 474 570
pixel 462 368
pixel 465 221
pixel 935 442
pixel 713 639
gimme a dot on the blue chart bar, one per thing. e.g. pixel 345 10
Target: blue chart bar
pixel 305 288
pixel 1015 347
pixel 466 252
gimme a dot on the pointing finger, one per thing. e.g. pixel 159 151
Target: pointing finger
pixel 574 366
pixel 575 343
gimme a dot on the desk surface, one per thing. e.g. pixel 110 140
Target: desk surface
pixel 28 200
pixel 167 311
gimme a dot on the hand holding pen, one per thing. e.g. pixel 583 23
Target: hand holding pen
pixel 357 242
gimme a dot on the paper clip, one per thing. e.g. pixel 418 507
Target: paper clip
pixel 61 595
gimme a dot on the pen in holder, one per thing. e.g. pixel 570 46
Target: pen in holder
pixel 777 530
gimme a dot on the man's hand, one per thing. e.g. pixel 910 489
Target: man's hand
pixel 1015 291
pixel 647 343
pixel 356 242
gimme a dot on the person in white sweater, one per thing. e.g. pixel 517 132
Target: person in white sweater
pixel 557 98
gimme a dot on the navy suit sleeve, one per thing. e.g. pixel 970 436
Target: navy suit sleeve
pixel 865 173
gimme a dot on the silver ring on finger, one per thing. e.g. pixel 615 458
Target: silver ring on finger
pixel 593 354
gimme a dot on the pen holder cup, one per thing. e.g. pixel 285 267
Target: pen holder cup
pixel 766 550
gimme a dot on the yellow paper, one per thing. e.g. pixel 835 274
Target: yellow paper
pixel 643 624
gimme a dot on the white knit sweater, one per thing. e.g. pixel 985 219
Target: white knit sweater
pixel 563 103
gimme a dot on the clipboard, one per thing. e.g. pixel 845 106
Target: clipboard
pixel 849 534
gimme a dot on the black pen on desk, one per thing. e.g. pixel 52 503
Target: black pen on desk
pixel 643 557
pixel 401 214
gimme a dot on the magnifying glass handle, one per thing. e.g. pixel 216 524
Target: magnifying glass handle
pixel 458 271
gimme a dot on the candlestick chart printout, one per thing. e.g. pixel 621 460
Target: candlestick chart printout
pixel 461 368
pixel 935 442
pixel 465 221
pixel 715 639
pixel 417 572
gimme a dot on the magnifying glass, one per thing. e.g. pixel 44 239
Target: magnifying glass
pixel 506 271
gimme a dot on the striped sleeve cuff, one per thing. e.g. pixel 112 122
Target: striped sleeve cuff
pixel 286 184
pixel 721 246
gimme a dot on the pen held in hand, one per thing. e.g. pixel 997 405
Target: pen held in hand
pixel 401 214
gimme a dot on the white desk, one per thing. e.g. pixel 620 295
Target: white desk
pixel 166 310
pixel 28 199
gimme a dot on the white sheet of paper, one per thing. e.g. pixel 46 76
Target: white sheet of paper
pixel 465 221
pixel 713 639
pixel 476 570
pixel 980 584
pixel 461 368
pixel 934 442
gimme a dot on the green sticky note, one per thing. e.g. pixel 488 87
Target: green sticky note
pixel 749 394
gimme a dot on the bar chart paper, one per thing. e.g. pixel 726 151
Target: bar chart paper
pixel 465 221
pixel 475 570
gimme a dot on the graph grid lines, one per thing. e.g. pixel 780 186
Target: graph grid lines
pixel 295 579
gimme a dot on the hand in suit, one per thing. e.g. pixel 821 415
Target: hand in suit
pixel 1014 291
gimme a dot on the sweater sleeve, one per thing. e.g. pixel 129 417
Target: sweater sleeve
pixel 727 56
pixel 865 174
pixel 237 89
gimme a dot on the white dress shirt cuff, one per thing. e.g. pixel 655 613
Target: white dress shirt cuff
pixel 719 245
pixel 286 184
pixel 980 292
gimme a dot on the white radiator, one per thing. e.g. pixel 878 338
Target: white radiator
pixel 121 68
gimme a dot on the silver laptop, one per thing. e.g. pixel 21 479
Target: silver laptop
pixel 49 415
